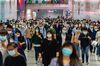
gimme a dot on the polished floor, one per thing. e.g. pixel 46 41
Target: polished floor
pixel 93 59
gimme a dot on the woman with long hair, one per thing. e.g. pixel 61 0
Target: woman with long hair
pixel 36 40
pixel 21 43
pixel 49 48
pixel 67 56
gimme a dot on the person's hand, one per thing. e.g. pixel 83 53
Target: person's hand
pixel 21 43
pixel 40 57
pixel 32 45
pixel 89 37
pixel 39 36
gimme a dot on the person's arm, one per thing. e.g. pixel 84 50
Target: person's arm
pixel 97 35
pixel 57 47
pixel 23 62
pixel 1 59
pixel 6 62
pixel 53 62
pixel 80 37
pixel 72 39
pixel 24 41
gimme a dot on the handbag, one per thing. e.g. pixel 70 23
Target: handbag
pixel 39 62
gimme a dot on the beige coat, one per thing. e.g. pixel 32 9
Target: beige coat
pixel 29 32
pixel 75 38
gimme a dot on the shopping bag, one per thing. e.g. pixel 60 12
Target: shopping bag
pixel 39 62
pixel 94 43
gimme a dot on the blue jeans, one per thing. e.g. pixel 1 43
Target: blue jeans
pixel 85 51
pixel 29 44
pixel 98 49
pixel 37 51
pixel 77 49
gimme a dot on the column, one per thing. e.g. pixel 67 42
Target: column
pixel 2 15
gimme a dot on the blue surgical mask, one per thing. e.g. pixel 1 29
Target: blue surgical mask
pixel 66 51
pixel 2 38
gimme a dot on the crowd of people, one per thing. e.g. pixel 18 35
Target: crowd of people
pixel 56 41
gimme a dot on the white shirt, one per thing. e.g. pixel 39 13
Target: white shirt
pixel 98 35
pixel 63 38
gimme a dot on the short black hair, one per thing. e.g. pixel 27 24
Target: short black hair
pixel 3 32
pixel 9 26
pixel 84 28
pixel 12 44
pixel 1 24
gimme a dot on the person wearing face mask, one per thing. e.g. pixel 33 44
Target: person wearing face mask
pixel 22 29
pixel 64 36
pixel 98 45
pixel 67 56
pixel 10 34
pixel 53 31
pixel 87 25
pixel 49 49
pixel 96 28
pixel 42 30
pixel 92 33
pixel 28 36
pixel 36 41
pixel 57 27
pixel 21 43
pixel 75 40
pixel 85 42
pixel 76 26
pixel 14 58
pixel 3 44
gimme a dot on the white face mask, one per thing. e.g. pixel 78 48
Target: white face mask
pixel 9 32
pixel 78 31
pixel 2 38
pixel 37 30
pixel 14 26
pixel 51 27
pixel 12 53
pixel 63 31
pixel 76 25
pixel 96 29
pixel 18 35
pixel 85 32
pixel 87 25
pixel 49 35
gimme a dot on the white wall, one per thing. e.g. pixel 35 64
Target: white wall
pixel 9 12
pixel 49 13
pixel 93 14
pixel 48 7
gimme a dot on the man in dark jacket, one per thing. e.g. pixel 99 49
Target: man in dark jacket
pixel 85 43
pixel 14 58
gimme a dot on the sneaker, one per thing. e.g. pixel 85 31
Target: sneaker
pixel 82 61
pixel 87 63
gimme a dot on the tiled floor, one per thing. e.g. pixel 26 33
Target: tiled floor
pixel 92 61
